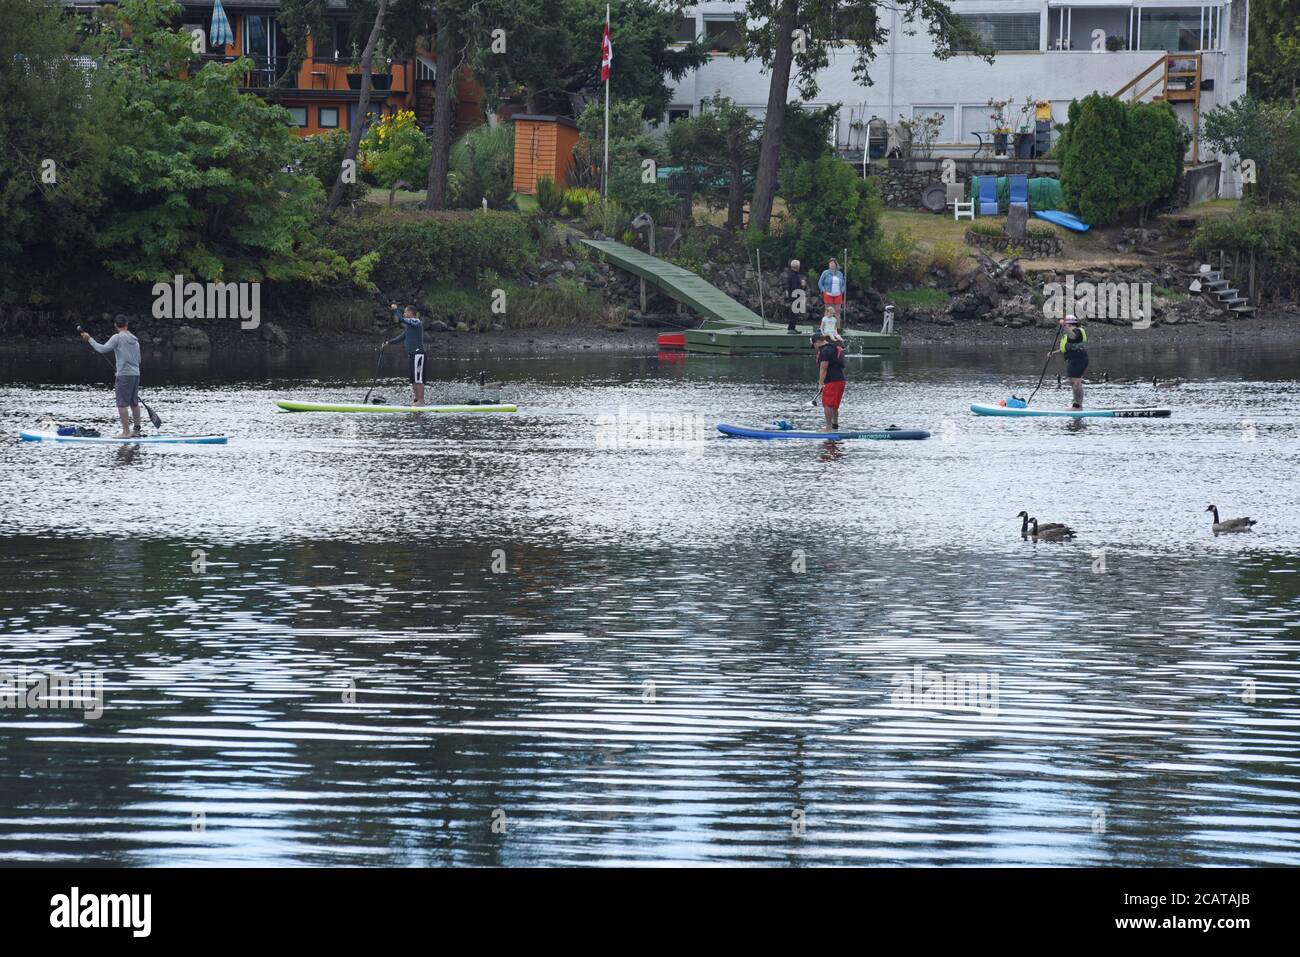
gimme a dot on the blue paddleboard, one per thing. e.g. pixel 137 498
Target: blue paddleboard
pixel 1062 218
pixel 741 432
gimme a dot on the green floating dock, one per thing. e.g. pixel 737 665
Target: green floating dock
pixel 774 340
pixel 729 328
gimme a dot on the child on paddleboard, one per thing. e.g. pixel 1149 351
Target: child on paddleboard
pixel 1074 348
pixel 830 378
pixel 413 334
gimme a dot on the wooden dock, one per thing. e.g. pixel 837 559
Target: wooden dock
pixel 728 328
pixel 776 341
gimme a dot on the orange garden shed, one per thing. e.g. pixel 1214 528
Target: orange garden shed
pixel 543 147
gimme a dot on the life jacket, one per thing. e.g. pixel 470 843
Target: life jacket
pixel 836 363
pixel 1081 346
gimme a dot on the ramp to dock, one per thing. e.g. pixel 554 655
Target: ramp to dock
pixel 678 283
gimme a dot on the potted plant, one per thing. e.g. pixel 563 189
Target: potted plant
pixel 379 61
pixel 1001 127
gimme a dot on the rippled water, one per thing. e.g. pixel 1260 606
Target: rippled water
pixel 576 635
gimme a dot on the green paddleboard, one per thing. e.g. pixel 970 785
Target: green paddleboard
pixel 290 406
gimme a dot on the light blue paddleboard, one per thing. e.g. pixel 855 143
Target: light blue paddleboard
pixel 1139 413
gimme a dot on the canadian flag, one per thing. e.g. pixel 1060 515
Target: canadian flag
pixel 606 55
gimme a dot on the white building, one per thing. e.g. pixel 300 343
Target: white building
pixel 1048 50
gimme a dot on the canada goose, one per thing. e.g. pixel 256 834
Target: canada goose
pixel 1166 384
pixel 1048 533
pixel 484 384
pixel 1046 526
pixel 1122 380
pixel 1232 524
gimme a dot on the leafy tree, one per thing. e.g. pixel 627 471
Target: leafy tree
pixel 768 32
pixel 359 119
pixel 552 52
pixel 197 184
pixel 1157 144
pixel 1274 55
pixel 719 149
pixel 1269 134
pixel 807 133
pixel 1095 163
pixel 832 208
pixel 54 145
pixel 629 147
pixel 484 161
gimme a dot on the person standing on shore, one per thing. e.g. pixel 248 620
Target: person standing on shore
pixel 795 283
pixel 126 386
pixel 830 378
pixel 832 287
pixel 413 334
pixel 1074 347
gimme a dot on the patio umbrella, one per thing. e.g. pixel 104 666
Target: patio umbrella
pixel 220 34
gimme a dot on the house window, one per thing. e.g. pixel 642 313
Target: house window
pixel 687 30
pixel 1178 29
pixel 1073 28
pixel 1004 31
pixel 298 114
pixel 721 34
pixel 946 130
pixel 676 113
pixel 329 117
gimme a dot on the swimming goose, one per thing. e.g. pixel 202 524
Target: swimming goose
pixel 1050 533
pixel 1232 524
pixel 1045 527
pixel 1166 384
pixel 484 384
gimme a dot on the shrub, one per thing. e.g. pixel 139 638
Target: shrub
pixel 321 156
pixel 901 259
pixel 692 252
pixel 394 148
pixel 608 216
pixel 577 199
pixel 946 255
pixel 484 161
pixel 453 304
pixel 1271 234
pixel 982 227
pixel 1117 157
pixel 550 198
pixel 566 302
pixel 1040 231
pixel 832 207
pixel 416 247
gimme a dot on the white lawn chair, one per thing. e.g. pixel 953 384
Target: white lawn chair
pixel 961 206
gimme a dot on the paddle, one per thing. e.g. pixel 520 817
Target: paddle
pixel 817 398
pixel 154 417
pixel 378 361
pixel 1050 355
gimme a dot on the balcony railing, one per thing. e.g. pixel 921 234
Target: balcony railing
pixel 316 73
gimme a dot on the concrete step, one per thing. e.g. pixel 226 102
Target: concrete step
pixel 1236 301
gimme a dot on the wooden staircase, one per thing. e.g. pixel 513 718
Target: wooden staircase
pixel 1178 75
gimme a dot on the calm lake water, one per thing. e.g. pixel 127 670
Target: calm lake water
pixel 595 632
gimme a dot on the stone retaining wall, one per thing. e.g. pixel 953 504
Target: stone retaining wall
pixel 1032 247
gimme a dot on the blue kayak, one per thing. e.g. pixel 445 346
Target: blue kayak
pixel 1136 413
pixel 1062 218
pixel 740 432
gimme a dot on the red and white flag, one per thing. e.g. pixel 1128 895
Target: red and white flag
pixel 606 55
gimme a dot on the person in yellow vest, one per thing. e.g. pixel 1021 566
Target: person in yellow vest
pixel 1074 349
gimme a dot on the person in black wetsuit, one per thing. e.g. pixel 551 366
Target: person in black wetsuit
pixel 798 304
pixel 413 333
pixel 1074 348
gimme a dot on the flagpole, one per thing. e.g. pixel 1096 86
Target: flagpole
pixel 604 169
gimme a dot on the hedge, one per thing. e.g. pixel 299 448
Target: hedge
pixel 418 247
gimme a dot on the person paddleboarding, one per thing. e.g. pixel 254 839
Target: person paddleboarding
pixel 126 386
pixel 413 334
pixel 830 378
pixel 1074 348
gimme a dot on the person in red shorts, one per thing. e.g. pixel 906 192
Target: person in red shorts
pixel 830 378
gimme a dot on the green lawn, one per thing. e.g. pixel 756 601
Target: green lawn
pixel 924 298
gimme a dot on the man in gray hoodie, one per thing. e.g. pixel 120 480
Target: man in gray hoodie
pixel 126 354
